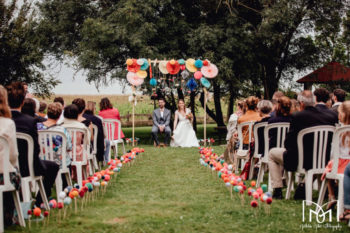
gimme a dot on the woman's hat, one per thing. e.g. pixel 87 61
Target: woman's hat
pixel 210 71
pixel 133 79
pixel 173 67
pixel 190 65
pixel 134 67
pixel 162 67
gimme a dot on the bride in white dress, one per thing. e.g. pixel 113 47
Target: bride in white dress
pixel 184 135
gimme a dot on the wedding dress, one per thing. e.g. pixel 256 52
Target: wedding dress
pixel 184 135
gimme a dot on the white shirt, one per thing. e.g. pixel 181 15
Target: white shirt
pixel 8 130
pixel 162 112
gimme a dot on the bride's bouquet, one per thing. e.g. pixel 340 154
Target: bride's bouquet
pixel 189 116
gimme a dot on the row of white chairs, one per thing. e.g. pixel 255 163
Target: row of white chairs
pixel 32 183
pixel 321 138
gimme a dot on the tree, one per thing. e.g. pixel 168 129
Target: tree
pixel 280 31
pixel 21 54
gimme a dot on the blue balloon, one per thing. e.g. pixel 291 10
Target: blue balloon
pixel 191 84
pixel 198 63
pixel 153 82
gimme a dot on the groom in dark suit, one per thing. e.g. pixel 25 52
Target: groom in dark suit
pixel 161 121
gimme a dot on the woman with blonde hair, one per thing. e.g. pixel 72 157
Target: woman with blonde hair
pixel 8 131
pixel 344 157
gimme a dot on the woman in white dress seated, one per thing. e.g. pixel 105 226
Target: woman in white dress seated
pixel 184 135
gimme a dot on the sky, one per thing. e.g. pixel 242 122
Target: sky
pixel 78 85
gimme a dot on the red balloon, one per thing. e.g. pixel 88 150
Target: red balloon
pixel 254 204
pixel 60 205
pixel 269 200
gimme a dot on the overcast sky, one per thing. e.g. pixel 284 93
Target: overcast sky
pixel 78 85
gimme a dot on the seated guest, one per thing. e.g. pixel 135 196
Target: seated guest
pixel 322 97
pixel 264 107
pixel 250 115
pixel 29 107
pixel 338 97
pixel 275 97
pixel 295 106
pixel 80 103
pixel 287 158
pixel 90 115
pixel 346 215
pixel 282 114
pixel 53 113
pixel 71 113
pixel 108 112
pixel 344 157
pixel 27 124
pixel 42 108
pixel 8 131
pixel 232 122
pixel 61 101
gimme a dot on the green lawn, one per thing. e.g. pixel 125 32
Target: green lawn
pixel 168 191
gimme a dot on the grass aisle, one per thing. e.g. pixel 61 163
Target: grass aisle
pixel 167 191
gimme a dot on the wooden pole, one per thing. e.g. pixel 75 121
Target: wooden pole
pixel 133 116
pixel 205 116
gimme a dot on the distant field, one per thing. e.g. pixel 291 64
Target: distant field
pixel 121 102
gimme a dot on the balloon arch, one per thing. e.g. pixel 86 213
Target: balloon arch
pixel 194 72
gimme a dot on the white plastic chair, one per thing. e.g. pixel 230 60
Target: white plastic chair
pixel 109 124
pixel 320 134
pixel 79 165
pixel 256 147
pixel 47 153
pixel 31 179
pixel 242 155
pixel 93 162
pixel 282 130
pixel 7 186
pixel 334 175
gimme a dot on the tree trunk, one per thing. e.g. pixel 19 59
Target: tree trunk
pixel 231 102
pixel 193 109
pixel 180 93
pixel 270 82
pixel 217 102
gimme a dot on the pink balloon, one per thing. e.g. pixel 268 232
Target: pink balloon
pixel 198 75
pixel 133 79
